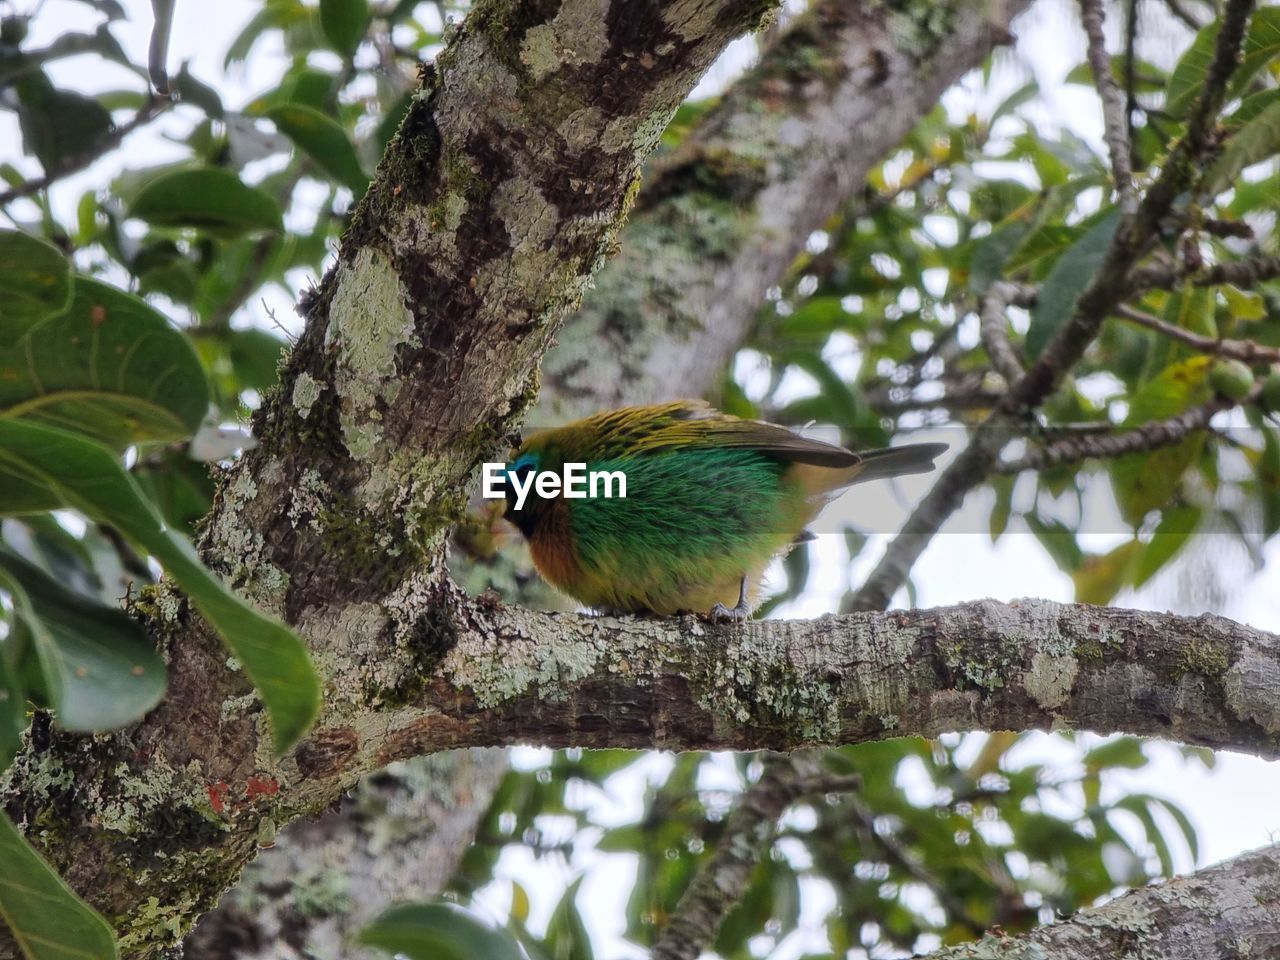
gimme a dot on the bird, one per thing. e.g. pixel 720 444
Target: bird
pixel 710 500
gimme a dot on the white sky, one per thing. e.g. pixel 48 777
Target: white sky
pixel 1233 806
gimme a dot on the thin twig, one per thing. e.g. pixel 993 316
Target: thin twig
pixel 994 327
pixel 1149 436
pixel 106 143
pixel 1115 125
pixel 749 833
pixel 1110 285
pixel 1246 350
pixel 906 860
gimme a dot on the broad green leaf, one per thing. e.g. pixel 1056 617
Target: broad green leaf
pixel 110 367
pixel 99 671
pixel 1175 528
pixel 1101 576
pixel 438 931
pixel 54 468
pixel 47 919
pixel 210 198
pixel 35 282
pixel 343 23
pixel 324 141
pixel 1261 46
pixel 1251 106
pixel 1066 281
pixel 57 124
pixel 1257 140
pixel 1147 481
pixel 1027 92
pixel 1122 752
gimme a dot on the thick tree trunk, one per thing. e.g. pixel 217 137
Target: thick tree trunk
pixel 489 214
pixel 846 81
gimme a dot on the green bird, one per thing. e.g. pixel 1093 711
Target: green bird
pixel 710 500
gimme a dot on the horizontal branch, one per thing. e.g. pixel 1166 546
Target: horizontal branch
pixel 1148 436
pixel 517 676
pixel 1245 350
pixel 1246 272
pixel 1231 909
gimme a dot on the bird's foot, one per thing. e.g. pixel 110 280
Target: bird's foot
pixel 722 614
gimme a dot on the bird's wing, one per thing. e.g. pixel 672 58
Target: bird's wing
pixel 692 424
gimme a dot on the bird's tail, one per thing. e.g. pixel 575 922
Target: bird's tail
pixel 897 461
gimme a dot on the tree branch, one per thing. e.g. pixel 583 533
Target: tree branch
pixel 1110 284
pixel 1148 436
pixel 1231 909
pixel 1246 350
pixel 717 225
pixel 106 143
pixel 566 680
pixel 1115 124
pixel 1246 272
pixel 748 835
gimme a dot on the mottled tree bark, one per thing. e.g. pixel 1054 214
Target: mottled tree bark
pixel 515 675
pixel 490 212
pixel 829 99
pixel 1229 911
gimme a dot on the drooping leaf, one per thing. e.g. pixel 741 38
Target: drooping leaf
pixel 44 468
pixel 343 23
pixel 1068 279
pixel 35 282
pixel 1171 534
pixel 47 919
pixel 438 931
pixel 1146 481
pixel 324 141
pixel 98 669
pixel 210 198
pixel 1101 576
pixel 110 367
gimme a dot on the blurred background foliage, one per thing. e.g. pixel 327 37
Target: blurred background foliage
pixel 875 331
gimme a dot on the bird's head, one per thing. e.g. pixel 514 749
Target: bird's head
pixel 521 472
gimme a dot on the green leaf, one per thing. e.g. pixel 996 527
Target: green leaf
pixel 110 367
pixel 1257 140
pixel 13 701
pixel 255 356
pixel 1261 46
pixel 99 670
pixel 58 125
pixel 1101 576
pixel 1175 528
pixel 209 198
pixel 198 93
pixel 35 282
pixel 324 141
pixel 438 931
pixel 1147 481
pixel 343 23
pixel 1066 281
pixel 1058 540
pixel 45 916
pixel 56 468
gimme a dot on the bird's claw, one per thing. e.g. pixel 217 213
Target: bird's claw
pixel 722 614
